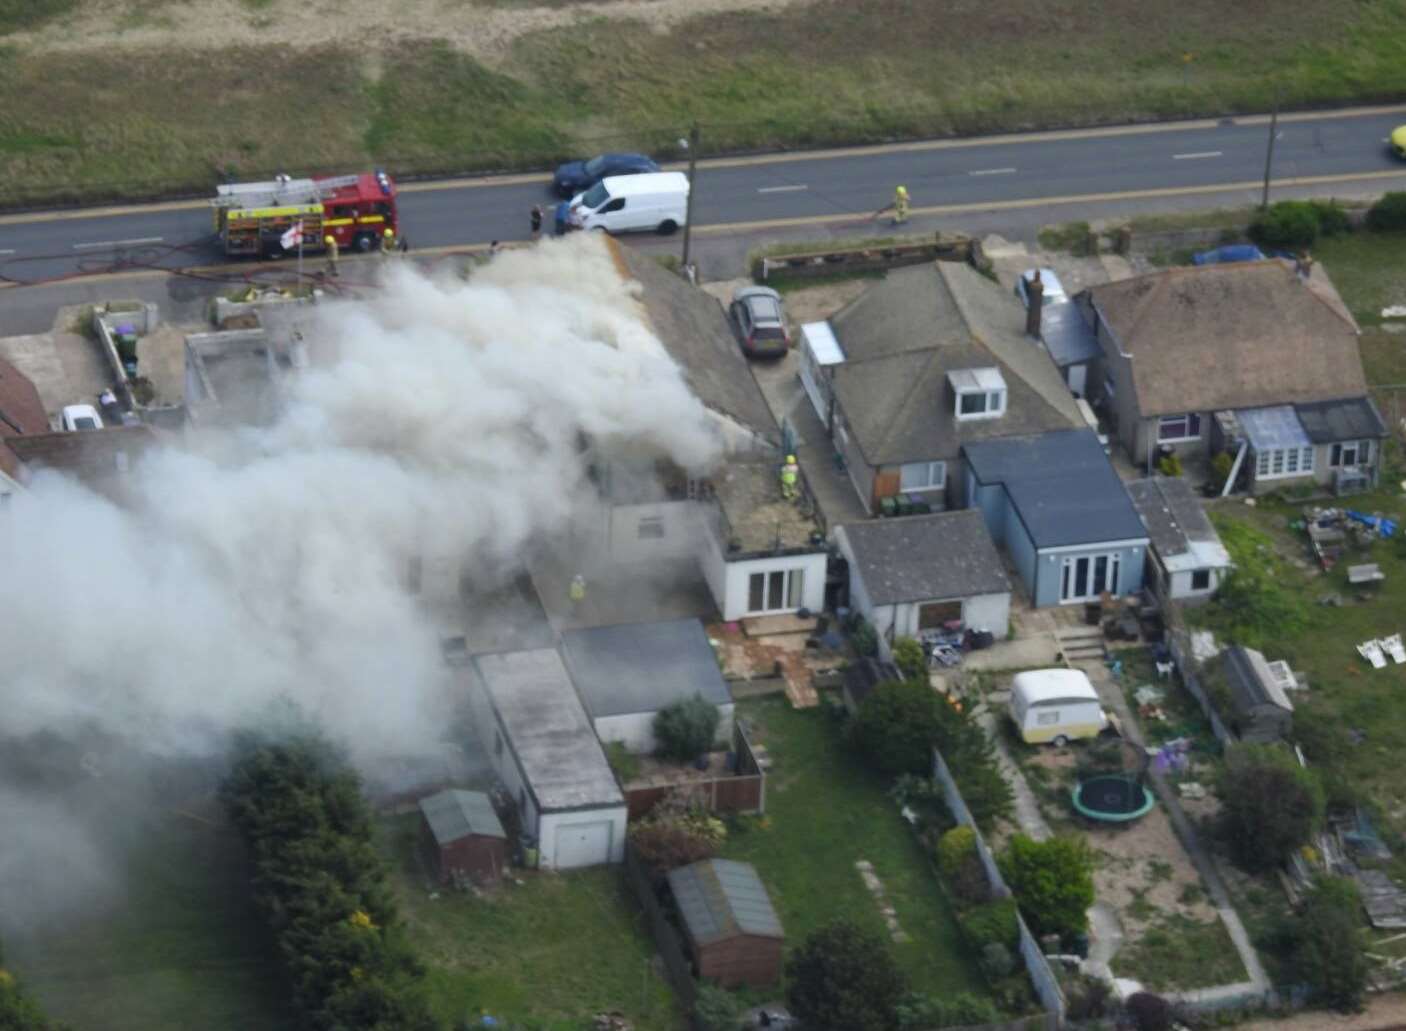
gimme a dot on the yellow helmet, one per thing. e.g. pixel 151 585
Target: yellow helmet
pixel 902 191
pixel 328 240
pixel 790 459
pixel 389 231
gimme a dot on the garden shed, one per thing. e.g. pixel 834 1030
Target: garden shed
pixel 462 836
pixel 733 932
pixel 1261 711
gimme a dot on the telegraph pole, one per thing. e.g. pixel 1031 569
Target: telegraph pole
pixel 692 145
pixel 1269 152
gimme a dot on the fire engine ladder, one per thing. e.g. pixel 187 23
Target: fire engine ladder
pixel 275 193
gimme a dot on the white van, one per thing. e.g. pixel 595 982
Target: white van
pixel 1055 705
pixel 620 203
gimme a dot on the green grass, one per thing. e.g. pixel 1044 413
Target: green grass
pixel 180 948
pixel 1178 952
pixel 1369 270
pixel 549 953
pixel 833 71
pixel 825 811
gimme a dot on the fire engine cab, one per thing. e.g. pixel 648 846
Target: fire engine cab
pixel 251 219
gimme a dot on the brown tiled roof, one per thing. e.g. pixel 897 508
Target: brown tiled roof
pixel 21 411
pixel 1232 336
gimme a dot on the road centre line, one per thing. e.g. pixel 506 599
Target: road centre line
pixel 991 171
pixel 7 252
pixel 118 243
pixel 782 189
pixel 1196 156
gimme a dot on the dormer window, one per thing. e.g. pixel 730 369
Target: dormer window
pixel 981 393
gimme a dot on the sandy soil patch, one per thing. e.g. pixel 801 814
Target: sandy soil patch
pixel 485 31
pixel 1146 862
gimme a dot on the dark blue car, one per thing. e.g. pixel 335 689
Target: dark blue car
pixel 578 176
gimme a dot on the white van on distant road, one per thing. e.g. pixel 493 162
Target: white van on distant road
pixel 655 201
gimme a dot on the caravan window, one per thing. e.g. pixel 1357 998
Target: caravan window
pixel 1047 719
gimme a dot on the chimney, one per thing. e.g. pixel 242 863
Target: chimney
pixel 1303 265
pixel 1034 305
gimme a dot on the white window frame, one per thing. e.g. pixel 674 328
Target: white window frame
pixel 1185 420
pixel 1279 463
pixel 993 404
pixel 933 474
pixel 1210 579
pixel 1336 459
pixel 786 586
pixel 1068 574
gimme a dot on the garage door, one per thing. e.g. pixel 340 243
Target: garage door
pixel 582 844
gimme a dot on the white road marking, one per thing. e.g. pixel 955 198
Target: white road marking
pixel 119 243
pixel 992 171
pixel 1199 154
pixel 781 189
pixel 7 252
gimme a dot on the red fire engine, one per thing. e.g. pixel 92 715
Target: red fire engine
pixel 252 219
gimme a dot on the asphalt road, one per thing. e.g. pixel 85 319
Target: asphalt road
pixel 828 188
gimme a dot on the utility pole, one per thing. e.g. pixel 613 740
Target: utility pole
pixel 692 144
pixel 1269 153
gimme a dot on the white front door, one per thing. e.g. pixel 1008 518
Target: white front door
pixel 1085 577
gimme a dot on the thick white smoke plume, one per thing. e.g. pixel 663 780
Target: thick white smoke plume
pixel 437 417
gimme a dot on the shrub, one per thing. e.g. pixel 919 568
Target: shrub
pixel 1332 219
pixel 1052 880
pixel 1388 215
pixel 1329 954
pixel 1290 225
pixel 961 867
pixel 685 729
pixel 1270 805
pixel 911 660
pixel 898 725
pixel 991 923
pixel 717 1009
pixel 1149 1012
pixel 997 961
pixel 922 798
pixel 18 1012
pixel 843 978
pixel 1086 997
pixel 320 883
pixel 918 1012
pixel 863 639
pixel 1170 464
pixel 1221 467
pixel 676 832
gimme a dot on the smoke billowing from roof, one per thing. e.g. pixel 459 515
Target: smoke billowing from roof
pixel 439 417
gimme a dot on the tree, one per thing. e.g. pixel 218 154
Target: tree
pixel 961 866
pixel 1329 953
pixel 1270 804
pixel 1053 882
pixel 842 978
pixel 686 729
pixel 18 1012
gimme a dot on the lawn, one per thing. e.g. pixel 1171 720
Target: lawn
pixel 785 75
pixel 825 812
pixel 179 948
pixel 1176 952
pixel 551 952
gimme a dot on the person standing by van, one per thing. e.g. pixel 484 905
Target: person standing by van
pixel 563 213
pixel 536 218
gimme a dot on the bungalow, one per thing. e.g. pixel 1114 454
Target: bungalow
pixel 626 674
pixel 1060 511
pixel 1186 560
pixel 931 359
pixel 1257 359
pixel 924 572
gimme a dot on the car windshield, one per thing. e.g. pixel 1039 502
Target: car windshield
pixel 596 196
pixel 596 165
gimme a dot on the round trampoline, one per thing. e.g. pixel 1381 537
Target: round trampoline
pixel 1112 798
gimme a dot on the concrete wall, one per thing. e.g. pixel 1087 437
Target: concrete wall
pixel 635 730
pixel 738 575
pixel 679 520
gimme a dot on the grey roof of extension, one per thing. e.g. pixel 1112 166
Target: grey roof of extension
pixel 926 558
pixel 722 898
pixel 1062 486
pixel 903 336
pixel 643 667
pixel 1353 418
pixel 1177 523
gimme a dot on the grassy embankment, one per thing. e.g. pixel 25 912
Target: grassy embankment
pixel 131 122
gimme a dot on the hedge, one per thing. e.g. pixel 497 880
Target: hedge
pixel 18 1012
pixel 321 885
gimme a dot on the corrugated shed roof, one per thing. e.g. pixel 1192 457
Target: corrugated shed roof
pixel 643 667
pixel 926 558
pixel 1177 522
pixel 1270 337
pixel 1062 486
pixel 903 336
pixel 453 814
pixel 1353 418
pixel 722 898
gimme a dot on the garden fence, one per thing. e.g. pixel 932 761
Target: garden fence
pixel 1042 977
pixel 1179 644
pixel 666 937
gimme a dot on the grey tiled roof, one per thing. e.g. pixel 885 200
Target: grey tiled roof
pixel 1353 418
pixel 722 898
pixel 926 558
